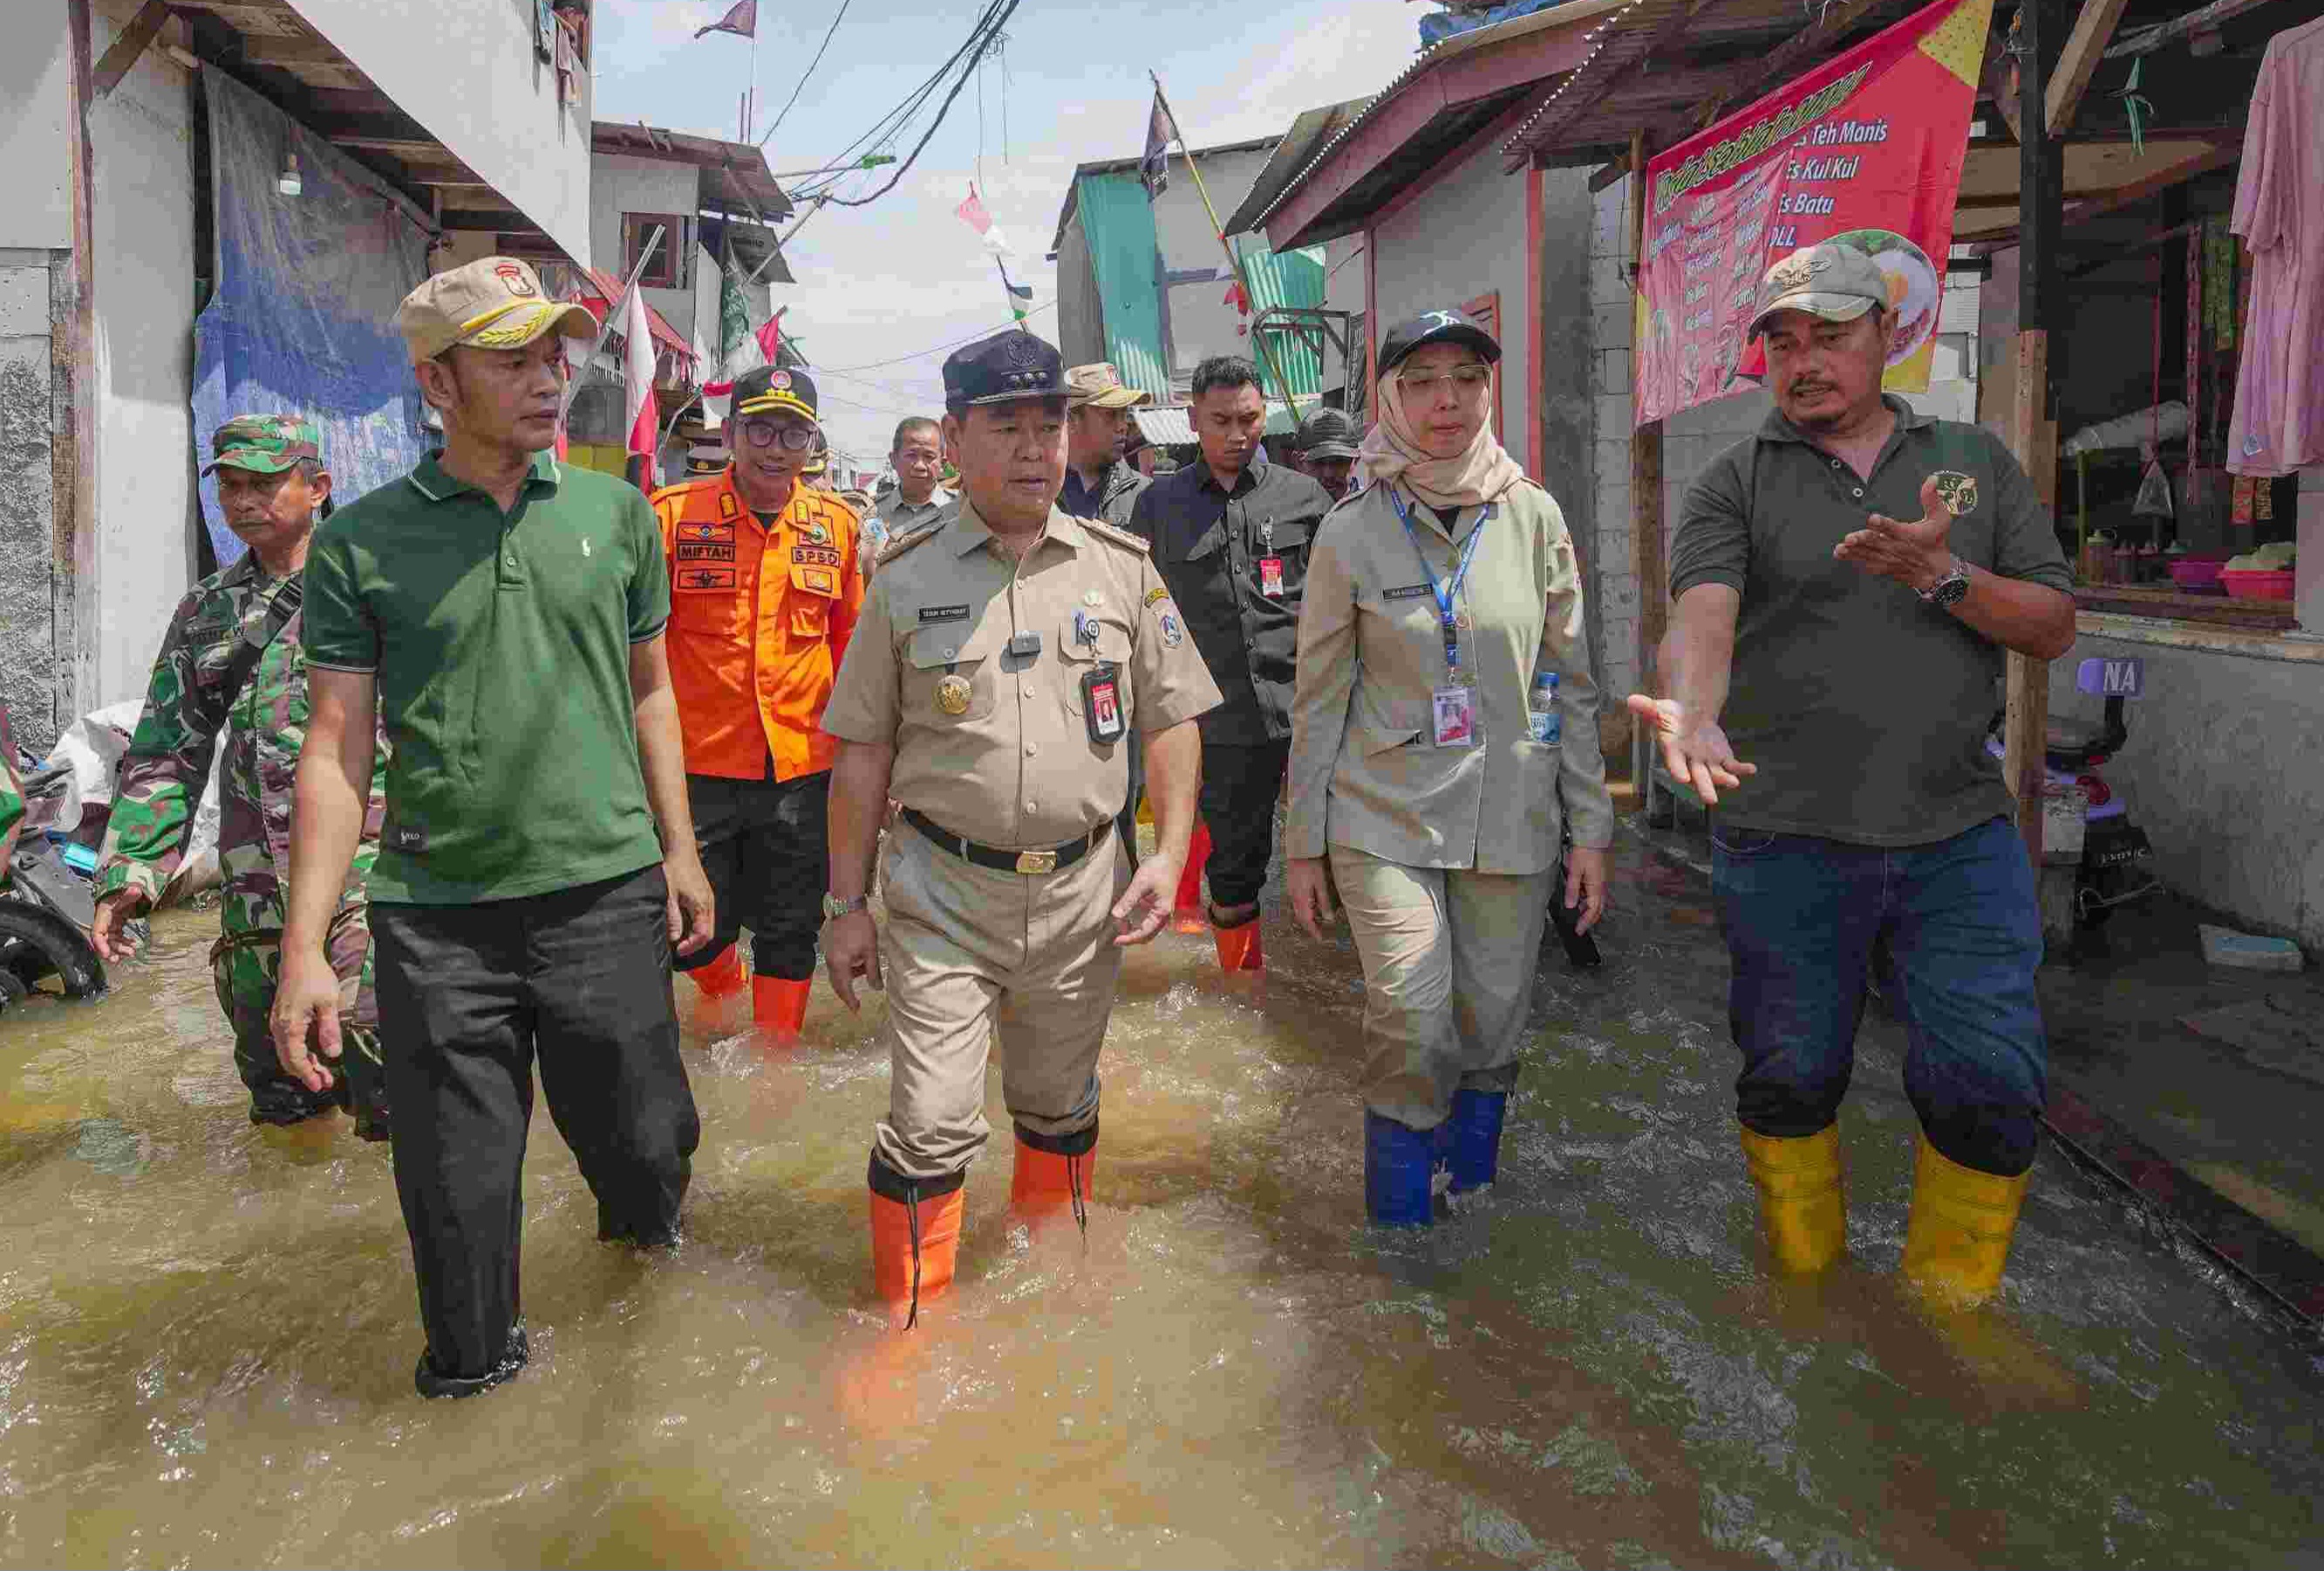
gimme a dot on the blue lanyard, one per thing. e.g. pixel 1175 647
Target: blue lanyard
pixel 1449 591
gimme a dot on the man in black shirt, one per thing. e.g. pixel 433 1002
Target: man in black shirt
pixel 1231 533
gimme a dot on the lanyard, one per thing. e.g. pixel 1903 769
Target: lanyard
pixel 1448 592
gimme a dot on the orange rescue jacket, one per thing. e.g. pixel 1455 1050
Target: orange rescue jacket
pixel 759 616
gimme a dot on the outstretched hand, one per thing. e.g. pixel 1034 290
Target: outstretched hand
pixel 1915 554
pixel 1694 750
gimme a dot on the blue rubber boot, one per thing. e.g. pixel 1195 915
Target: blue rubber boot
pixel 1397 1163
pixel 1473 1144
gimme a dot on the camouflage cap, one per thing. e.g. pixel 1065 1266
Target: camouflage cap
pixel 266 444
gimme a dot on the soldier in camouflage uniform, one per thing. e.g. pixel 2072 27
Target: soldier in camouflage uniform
pixel 271 486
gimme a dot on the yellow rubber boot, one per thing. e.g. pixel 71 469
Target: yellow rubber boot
pixel 1801 1200
pixel 1958 1239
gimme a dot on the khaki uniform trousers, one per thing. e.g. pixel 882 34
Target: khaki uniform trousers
pixel 1449 959
pixel 973 953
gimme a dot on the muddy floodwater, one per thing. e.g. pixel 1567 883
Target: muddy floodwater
pixel 208 1331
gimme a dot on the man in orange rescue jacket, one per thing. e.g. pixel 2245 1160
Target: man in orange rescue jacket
pixel 765 585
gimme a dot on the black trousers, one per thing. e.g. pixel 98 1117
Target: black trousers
pixel 467 996
pixel 766 846
pixel 1239 787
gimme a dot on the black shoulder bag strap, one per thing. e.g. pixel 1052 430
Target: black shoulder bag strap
pixel 252 645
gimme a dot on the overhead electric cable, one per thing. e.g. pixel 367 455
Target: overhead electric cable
pixel 807 73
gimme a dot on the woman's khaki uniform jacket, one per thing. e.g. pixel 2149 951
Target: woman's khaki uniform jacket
pixel 1365 771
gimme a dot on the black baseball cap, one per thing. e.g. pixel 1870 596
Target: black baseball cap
pixel 1436 328
pixel 1327 433
pixel 1006 366
pixel 765 389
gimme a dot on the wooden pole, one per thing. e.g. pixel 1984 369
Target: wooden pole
pixel 75 501
pixel 1234 263
pixel 1645 466
pixel 2033 436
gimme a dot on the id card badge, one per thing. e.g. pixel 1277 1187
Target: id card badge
pixel 1101 704
pixel 1270 577
pixel 1455 710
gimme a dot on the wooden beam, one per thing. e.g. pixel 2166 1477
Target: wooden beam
pixel 272 50
pixel 408 149
pixel 127 47
pixel 72 470
pixel 1600 179
pixel 2138 191
pixel 2148 39
pixel 1646 470
pixel 2085 46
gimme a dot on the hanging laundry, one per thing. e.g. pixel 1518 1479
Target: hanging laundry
pixel 2279 413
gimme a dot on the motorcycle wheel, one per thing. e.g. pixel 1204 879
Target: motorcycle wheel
pixel 36 944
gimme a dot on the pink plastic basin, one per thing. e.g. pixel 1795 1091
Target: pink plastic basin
pixel 2275 585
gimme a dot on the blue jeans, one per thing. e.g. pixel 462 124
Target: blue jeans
pixel 1960 934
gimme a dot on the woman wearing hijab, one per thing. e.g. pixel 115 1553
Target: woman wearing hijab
pixel 1444 739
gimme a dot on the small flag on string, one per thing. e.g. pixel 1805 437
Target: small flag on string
pixel 973 214
pixel 741 18
pixel 1020 299
pixel 1154 163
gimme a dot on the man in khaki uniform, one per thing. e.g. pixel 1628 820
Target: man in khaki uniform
pixel 1005 654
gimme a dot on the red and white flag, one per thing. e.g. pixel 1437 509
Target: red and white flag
pixel 971 213
pixel 754 349
pixel 637 376
pixel 741 18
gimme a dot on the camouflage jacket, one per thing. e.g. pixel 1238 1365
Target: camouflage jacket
pixel 169 759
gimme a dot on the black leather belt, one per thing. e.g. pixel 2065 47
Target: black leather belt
pixel 1057 858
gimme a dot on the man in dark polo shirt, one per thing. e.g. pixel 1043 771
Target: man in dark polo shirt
pixel 1231 533
pixel 1851 657
pixel 504 613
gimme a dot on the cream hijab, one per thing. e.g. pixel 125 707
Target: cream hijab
pixel 1391 452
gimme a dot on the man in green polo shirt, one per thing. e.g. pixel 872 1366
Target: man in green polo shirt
pixel 1846 582
pixel 504 613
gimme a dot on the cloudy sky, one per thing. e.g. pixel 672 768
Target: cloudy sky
pixel 880 285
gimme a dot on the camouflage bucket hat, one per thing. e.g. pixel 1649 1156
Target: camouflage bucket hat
pixel 265 443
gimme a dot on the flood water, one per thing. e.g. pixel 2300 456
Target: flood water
pixel 206 1331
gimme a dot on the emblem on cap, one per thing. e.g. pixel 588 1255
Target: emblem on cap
pixel 1023 350
pixel 511 275
pixel 781 381
pixel 1442 318
pixel 953 694
pixel 1791 273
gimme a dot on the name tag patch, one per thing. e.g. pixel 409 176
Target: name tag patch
pixel 1409 592
pixel 697 551
pixel 815 556
pixel 944 613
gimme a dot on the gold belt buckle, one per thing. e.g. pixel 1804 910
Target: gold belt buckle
pixel 1037 862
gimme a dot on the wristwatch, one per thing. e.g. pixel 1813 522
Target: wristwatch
pixel 832 906
pixel 1950 590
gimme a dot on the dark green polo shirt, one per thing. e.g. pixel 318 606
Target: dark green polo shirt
pixel 501 646
pixel 1865 710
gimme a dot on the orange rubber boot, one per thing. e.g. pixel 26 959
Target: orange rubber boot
pixel 915 1244
pixel 1239 948
pixel 1189 913
pixel 779 1008
pixel 1054 1172
pixel 723 977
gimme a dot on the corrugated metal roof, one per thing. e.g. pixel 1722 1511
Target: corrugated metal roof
pixel 1169 425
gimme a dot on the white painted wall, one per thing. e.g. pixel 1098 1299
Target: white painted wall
pixel 466 70
pixel 35 155
pixel 623 183
pixel 141 144
pixel 1414 270
pixel 1200 322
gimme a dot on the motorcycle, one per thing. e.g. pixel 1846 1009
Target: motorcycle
pixel 2094 857
pixel 48 908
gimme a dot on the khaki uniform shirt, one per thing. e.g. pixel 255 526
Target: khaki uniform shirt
pixel 1365 771
pixel 1016 767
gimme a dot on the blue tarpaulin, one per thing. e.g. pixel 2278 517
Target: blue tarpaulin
pixel 1438 26
pixel 299 322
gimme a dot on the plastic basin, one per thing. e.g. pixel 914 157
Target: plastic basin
pixel 2275 585
pixel 2193 573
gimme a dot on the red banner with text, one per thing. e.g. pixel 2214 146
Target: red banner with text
pixel 1864 150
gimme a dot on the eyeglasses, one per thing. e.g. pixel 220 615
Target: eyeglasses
pixel 1460 379
pixel 766 433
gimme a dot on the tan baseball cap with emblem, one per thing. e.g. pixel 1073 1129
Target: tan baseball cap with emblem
pixel 1100 384
pixel 495 302
pixel 1837 283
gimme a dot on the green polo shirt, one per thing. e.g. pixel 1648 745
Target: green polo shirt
pixel 501 647
pixel 1865 709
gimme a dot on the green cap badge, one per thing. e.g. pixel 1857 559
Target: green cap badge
pixel 267 443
